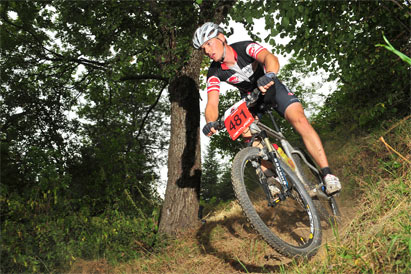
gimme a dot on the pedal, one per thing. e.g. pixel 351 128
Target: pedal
pixel 319 192
pixel 274 190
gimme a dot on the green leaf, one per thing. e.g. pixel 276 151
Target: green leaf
pixel 392 49
pixel 274 32
pixel 285 21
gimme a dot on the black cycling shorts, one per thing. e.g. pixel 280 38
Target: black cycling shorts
pixel 278 96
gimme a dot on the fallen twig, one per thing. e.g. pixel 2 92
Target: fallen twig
pixel 390 148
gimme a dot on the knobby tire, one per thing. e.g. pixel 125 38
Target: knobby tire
pixel 293 226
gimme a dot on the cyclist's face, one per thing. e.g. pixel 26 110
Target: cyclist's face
pixel 213 48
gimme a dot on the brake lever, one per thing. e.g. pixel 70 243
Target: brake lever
pixel 252 97
pixel 220 124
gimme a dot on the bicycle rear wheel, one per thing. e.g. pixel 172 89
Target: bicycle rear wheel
pixel 292 226
pixel 328 209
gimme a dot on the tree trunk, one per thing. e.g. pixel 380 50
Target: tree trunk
pixel 180 208
pixel 181 203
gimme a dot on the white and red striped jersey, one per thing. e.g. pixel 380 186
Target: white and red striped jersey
pixel 243 74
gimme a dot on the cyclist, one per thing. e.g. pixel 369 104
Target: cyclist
pixel 247 65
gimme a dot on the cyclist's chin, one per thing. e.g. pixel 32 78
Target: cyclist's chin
pixel 215 57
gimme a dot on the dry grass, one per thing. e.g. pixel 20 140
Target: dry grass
pixel 226 243
pixel 373 238
pixel 377 239
pixel 91 267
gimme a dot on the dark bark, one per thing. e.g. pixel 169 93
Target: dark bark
pixel 181 203
pixel 180 208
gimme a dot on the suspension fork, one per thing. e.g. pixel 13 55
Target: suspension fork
pixel 264 184
pixel 273 157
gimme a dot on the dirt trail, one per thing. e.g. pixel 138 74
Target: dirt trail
pixel 231 239
pixel 225 243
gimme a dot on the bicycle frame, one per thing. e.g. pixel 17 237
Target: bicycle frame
pixel 290 152
pixel 237 118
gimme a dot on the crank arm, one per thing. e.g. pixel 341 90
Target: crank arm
pixel 318 192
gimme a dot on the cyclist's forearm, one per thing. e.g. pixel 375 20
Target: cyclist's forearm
pixel 269 60
pixel 211 113
pixel 271 63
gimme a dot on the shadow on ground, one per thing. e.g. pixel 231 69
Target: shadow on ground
pixel 231 240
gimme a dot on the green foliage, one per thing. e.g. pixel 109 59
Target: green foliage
pixel 78 94
pixel 211 171
pixel 339 37
pixel 67 119
pixel 216 179
pixel 81 96
pixel 303 83
pixel 36 242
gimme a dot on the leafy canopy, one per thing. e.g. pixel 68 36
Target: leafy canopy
pixel 339 37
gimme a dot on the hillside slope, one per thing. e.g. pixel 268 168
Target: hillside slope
pixel 374 235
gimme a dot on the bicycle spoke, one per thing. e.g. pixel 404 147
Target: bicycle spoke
pixel 289 219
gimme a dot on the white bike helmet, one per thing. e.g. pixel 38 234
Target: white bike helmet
pixel 205 32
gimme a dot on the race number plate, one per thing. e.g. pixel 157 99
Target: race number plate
pixel 238 120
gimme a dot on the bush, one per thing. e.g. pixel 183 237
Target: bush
pixel 33 242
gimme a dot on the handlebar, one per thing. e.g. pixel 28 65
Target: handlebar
pixel 252 97
pixel 250 100
pixel 220 124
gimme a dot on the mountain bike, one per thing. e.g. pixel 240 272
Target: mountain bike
pixel 272 187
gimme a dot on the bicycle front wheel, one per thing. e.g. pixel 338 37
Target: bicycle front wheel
pixel 292 226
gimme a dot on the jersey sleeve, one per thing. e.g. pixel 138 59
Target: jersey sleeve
pixel 253 49
pixel 213 84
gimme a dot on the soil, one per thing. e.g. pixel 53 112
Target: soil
pixel 223 243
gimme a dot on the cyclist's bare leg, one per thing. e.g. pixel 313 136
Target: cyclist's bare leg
pixel 295 115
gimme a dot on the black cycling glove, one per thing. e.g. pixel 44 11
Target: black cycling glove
pixel 208 126
pixel 265 79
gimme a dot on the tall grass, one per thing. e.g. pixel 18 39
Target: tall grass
pixel 375 239
pixel 52 242
pixel 378 237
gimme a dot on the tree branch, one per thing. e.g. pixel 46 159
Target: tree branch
pixel 144 77
pixel 396 18
pixel 398 4
pixel 14 118
pixel 150 109
pixel 58 57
